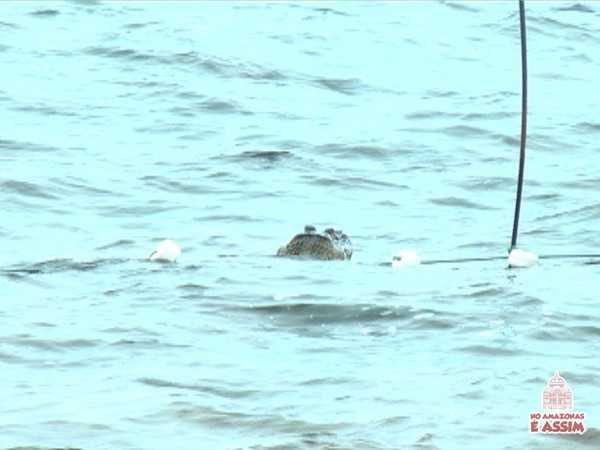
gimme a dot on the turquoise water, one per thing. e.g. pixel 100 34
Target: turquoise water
pixel 229 126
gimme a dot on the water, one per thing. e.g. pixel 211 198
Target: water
pixel 228 127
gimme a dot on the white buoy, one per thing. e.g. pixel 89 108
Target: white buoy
pixel 167 251
pixel 406 258
pixel 518 258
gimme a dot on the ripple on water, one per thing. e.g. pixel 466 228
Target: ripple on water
pixel 559 331
pixel 116 244
pixel 356 151
pixel 138 25
pixel 8 25
pixel 61 265
pixel 150 344
pixel 45 13
pixel 122 54
pixel 549 22
pixel 464 131
pixel 591 438
pixel 28 447
pixel 26 189
pixel 10 358
pixel 25 146
pixel 236 218
pixel 457 202
pixel 588 127
pixel 136 211
pixel 324 314
pixel 328 313
pixel 270 156
pixel 173 185
pixel 352 183
pixel 55 345
pixel 222 107
pixel 461 6
pixel 585 213
pixel 223 418
pixel 190 61
pixel 577 7
pixel 44 110
pixel 486 350
pixel 349 86
pixel 490 115
pixel 422 115
pixel 208 387
pixel 487 183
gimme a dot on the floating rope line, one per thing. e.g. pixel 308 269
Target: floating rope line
pixel 503 258
pixel 464 260
pixel 569 256
pixel 515 231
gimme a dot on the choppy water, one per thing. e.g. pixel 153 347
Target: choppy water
pixel 228 127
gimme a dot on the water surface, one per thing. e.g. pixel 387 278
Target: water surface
pixel 229 126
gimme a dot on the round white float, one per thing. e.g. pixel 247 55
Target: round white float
pixel 167 251
pixel 518 258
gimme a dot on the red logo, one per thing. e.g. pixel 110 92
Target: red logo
pixel 557 415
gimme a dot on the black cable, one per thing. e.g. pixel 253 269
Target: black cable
pixel 515 231
pixel 464 260
pixel 497 258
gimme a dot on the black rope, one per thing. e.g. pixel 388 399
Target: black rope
pixel 464 260
pixel 515 231
pixel 498 258
pixel 569 256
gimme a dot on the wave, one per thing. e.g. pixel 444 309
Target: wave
pixel 457 202
pixel 59 265
pixel 189 61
